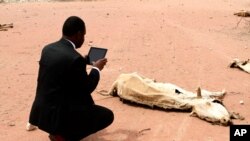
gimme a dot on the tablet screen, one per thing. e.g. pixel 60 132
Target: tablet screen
pixel 96 53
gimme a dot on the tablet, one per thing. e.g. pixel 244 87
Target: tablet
pixel 96 53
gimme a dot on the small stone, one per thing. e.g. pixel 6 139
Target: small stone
pixel 241 102
pixel 11 124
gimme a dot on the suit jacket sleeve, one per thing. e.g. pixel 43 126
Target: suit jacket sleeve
pixel 86 82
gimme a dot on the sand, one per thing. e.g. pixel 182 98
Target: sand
pixel 188 43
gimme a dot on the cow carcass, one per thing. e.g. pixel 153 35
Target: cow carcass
pixel 203 104
pixel 243 65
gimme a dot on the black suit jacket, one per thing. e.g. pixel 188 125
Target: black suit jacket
pixel 63 87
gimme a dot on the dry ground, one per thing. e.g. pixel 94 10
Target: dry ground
pixel 188 43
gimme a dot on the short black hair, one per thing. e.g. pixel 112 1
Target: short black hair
pixel 72 25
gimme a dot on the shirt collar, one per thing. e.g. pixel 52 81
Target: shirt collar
pixel 74 46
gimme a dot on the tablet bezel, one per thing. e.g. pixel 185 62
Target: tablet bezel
pixel 92 50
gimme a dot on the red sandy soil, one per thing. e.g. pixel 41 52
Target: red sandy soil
pixel 187 43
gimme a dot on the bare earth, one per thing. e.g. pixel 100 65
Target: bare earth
pixel 187 43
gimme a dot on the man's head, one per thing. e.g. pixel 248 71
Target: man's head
pixel 74 30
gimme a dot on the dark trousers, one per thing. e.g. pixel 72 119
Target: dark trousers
pixel 86 121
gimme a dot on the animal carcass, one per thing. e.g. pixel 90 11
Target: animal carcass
pixel 242 13
pixel 203 104
pixel 243 65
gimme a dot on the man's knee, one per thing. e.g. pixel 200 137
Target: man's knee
pixel 110 117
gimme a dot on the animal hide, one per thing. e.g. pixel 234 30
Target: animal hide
pixel 243 65
pixel 203 104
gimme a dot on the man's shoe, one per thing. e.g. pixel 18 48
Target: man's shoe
pixel 56 138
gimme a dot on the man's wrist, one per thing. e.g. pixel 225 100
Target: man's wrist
pixel 96 69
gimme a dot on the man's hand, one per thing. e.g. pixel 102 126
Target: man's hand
pixel 100 63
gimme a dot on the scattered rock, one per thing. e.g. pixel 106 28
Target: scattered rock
pixel 11 124
pixel 241 102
